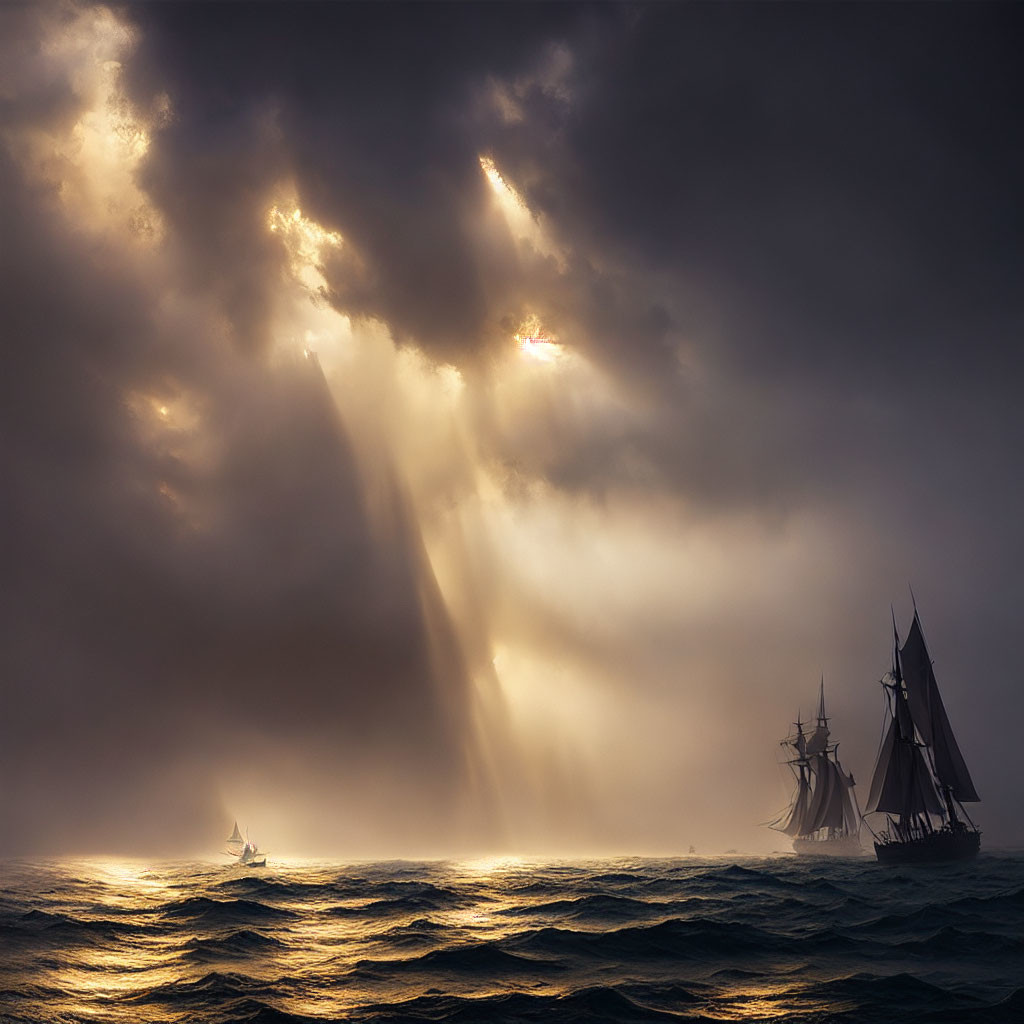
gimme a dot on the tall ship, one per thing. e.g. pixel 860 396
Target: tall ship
pixel 244 851
pixel 920 776
pixel 823 818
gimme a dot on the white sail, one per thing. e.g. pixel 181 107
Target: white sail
pixel 236 836
pixel 929 715
pixel 795 824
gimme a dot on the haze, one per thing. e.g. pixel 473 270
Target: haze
pixel 443 430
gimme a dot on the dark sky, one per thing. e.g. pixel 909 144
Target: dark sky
pixel 296 531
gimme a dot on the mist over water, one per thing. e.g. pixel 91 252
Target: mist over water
pixel 797 940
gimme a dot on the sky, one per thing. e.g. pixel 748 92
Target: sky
pixel 437 429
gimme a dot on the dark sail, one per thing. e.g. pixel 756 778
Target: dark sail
pixel 830 807
pixel 929 715
pixel 902 783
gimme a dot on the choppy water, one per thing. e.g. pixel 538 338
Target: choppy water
pixel 624 940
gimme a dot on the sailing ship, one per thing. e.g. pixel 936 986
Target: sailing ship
pixel 920 776
pixel 244 851
pixel 823 818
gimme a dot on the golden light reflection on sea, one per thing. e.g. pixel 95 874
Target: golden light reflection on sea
pixel 500 939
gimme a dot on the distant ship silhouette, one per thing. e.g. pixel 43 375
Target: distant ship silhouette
pixel 245 852
pixel 823 818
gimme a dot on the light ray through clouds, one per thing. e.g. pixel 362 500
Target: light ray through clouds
pixel 545 683
pixel 527 227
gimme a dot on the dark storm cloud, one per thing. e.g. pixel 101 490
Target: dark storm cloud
pixel 827 195
pixel 850 171
pixel 368 107
pixel 836 193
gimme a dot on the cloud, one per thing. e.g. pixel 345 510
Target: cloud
pixel 298 531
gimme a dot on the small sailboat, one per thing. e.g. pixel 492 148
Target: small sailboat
pixel 920 775
pixel 244 851
pixel 823 818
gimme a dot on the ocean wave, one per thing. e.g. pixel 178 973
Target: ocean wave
pixel 264 888
pixel 210 990
pixel 392 889
pixel 954 942
pixel 417 934
pixel 737 879
pixel 597 907
pixel 40 918
pixel 1006 1011
pixel 62 929
pixel 1011 900
pixel 541 887
pixel 253 1011
pixel 594 1005
pixel 243 943
pixel 617 878
pixel 674 939
pixel 226 912
pixel 665 996
pixel 413 904
pixel 481 958
pixel 880 992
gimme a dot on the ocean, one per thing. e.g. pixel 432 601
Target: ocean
pixel 688 939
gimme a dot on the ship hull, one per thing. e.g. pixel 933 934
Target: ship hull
pixel 934 848
pixel 844 846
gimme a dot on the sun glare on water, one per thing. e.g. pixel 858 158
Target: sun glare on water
pixel 492 865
